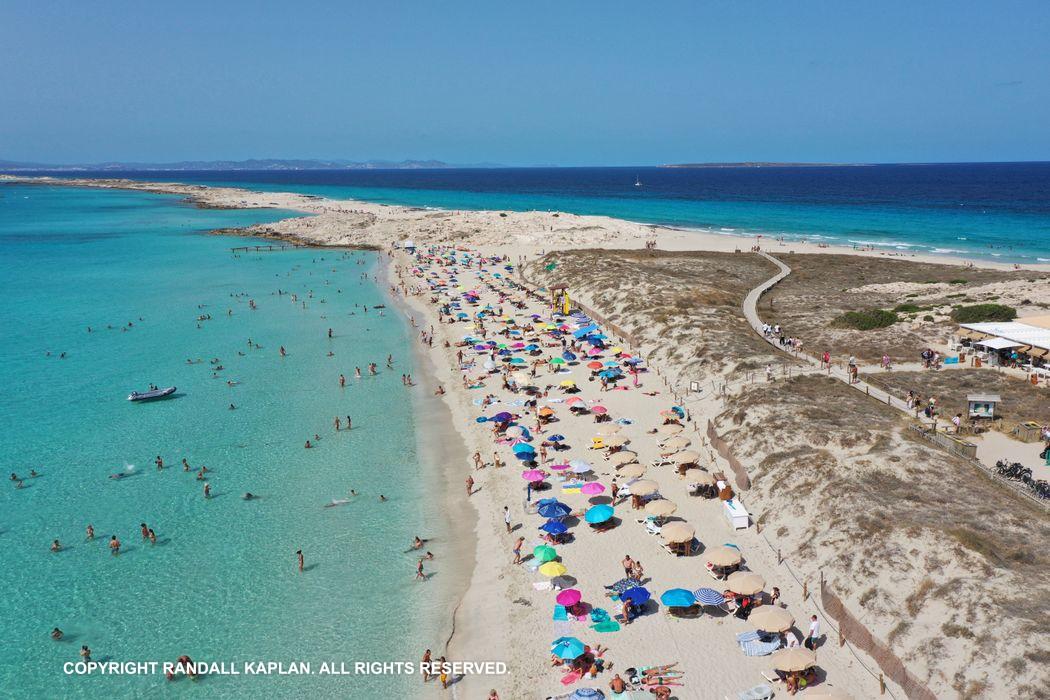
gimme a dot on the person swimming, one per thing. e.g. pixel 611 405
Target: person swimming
pixel 248 495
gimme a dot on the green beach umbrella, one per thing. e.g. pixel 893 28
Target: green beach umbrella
pixel 558 361
pixel 544 553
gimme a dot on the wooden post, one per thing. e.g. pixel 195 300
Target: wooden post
pixel 805 590
pixel 882 685
pixel 780 558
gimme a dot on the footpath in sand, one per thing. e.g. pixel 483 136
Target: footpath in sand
pixel 508 612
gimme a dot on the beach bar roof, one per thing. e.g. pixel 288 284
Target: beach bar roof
pixel 1011 334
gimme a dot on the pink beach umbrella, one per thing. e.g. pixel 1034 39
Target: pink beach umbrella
pixel 594 352
pixel 559 467
pixel 592 488
pixel 573 401
pixel 568 597
pixel 599 409
pixel 532 475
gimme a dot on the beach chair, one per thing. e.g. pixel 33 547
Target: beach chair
pixel 597 443
pixel 759 692
pixel 651 526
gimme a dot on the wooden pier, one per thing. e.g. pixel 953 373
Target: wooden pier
pixel 262 248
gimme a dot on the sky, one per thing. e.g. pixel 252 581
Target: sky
pixel 523 83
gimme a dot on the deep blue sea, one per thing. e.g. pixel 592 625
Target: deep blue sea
pixel 998 211
pixel 221 582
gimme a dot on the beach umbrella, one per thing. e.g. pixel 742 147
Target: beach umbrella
pixel 669 429
pixel 610 374
pixel 567 647
pixel 501 417
pixel 580 467
pixel 705 478
pixel 599 410
pixel 523 447
pixel 568 384
pixel 592 488
pixel 570 596
pixel 723 556
pixel 545 553
pixel 708 596
pixel 636 595
pixel 525 456
pixel 554 527
pixel 587 694
pixel 685 457
pixel 556 438
pixel 793 659
pixel 677 442
pixel 552 569
pixel 594 364
pixel 514 431
pixel 631 471
pixel 559 467
pixel 677 532
pixel 745 582
pixel 623 457
pixel 644 487
pixel 660 507
pixel 546 411
pixel 573 400
pixel 533 475
pixel 616 441
pixel 678 598
pixel 553 509
pixel 826 692
pixel 558 361
pixel 770 618
pixel 609 429
pixel 598 514
pixel 568 356
pixel 517 360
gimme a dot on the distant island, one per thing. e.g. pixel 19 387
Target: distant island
pixel 252 164
pixel 759 164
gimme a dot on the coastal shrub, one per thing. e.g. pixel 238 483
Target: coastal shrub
pixel 866 320
pixel 906 308
pixel 927 317
pixel 983 312
pixel 957 282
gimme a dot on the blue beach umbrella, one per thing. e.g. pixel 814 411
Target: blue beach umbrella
pixel 587 694
pixel 568 356
pixel 553 509
pixel 523 447
pixel 501 417
pixel 567 647
pixel 678 598
pixel 635 596
pixel 554 527
pixel 598 514
pixel 708 596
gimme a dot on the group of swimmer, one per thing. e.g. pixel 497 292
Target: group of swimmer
pixel 114 543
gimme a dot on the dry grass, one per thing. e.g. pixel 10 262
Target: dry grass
pixel 1021 400
pixel 683 307
pixel 969 559
pixel 823 287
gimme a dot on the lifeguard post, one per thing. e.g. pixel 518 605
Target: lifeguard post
pixel 560 297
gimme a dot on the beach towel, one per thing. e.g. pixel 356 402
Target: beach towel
pixel 571 678
pixel 599 615
pixel 560 613
pixel 607 626
pixel 541 585
pixel 567 488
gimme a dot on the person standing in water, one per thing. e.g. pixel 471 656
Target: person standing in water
pixel 114 545
pixel 299 558
pixel 90 532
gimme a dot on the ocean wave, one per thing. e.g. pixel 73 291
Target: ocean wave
pixel 948 250
pixel 885 244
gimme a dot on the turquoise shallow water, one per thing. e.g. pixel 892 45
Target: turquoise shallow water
pixel 221 583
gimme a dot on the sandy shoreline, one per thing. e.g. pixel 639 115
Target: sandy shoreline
pixel 364 224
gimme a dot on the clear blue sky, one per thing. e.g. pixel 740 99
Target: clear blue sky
pixel 567 82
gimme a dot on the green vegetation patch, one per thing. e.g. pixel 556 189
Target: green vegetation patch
pixel 866 320
pixel 983 312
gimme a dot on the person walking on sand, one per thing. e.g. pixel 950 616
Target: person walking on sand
pixel 517 549
pixel 814 632
pixel 477 461
pixel 628 565
pixel 506 517
pixel 470 486
pixel 299 559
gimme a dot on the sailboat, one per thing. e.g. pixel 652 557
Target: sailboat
pixel 637 182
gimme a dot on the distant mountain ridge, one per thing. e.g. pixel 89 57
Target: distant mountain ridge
pixel 251 164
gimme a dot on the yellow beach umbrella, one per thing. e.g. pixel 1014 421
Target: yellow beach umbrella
pixel 677 532
pixel 552 569
pixel 723 556
pixel 745 582
pixel 770 618
pixel 793 659
pixel 644 487
pixel 623 457
pixel 631 471
pixel 660 507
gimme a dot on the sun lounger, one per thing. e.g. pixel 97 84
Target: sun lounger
pixel 759 692
pixel 771 676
